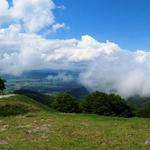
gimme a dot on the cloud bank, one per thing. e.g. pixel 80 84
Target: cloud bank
pixel 106 66
pixel 21 51
pixel 124 72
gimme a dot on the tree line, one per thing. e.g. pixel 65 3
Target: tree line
pixel 95 103
pixel 99 103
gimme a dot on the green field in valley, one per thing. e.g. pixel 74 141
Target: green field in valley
pixel 45 129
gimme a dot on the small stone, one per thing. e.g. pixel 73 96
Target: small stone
pixel 3 129
pixel 147 142
pixel 6 126
pixel 29 132
pixel 3 142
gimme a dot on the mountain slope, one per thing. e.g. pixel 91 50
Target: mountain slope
pixel 39 97
pixel 42 129
pixel 20 100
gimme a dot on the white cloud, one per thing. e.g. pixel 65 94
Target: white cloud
pixel 124 72
pixel 4 10
pixel 58 26
pixel 35 14
pixel 32 15
pixel 61 7
pixel 20 51
pixel 61 77
pixel 107 67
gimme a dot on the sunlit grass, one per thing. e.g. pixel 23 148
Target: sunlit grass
pixel 56 131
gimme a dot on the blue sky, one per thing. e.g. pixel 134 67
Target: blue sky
pixel 125 22
pixel 123 62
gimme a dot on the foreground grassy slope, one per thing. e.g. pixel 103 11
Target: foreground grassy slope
pixel 20 99
pixel 46 130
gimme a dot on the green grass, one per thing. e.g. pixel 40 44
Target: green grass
pixel 50 130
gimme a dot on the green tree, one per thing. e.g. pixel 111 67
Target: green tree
pixel 106 104
pixel 2 84
pixel 64 102
pixel 144 111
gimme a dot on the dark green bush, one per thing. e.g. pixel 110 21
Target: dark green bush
pixel 2 84
pixel 64 102
pixel 14 109
pixel 106 104
pixel 144 111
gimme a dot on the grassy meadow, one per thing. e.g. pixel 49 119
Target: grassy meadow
pixel 45 129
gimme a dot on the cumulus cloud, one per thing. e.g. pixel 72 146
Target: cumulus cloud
pixel 35 14
pixel 106 66
pixel 124 72
pixel 55 28
pixel 59 26
pixel 20 51
pixel 32 15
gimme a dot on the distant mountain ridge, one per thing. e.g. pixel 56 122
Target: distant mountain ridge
pixel 138 101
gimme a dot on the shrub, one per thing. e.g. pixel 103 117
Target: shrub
pixel 64 102
pixel 106 104
pixel 14 109
pixel 144 111
pixel 2 84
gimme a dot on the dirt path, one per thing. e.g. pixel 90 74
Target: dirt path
pixel 6 96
